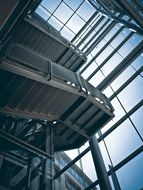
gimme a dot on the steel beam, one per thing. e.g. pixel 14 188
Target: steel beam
pixel 22 145
pixel 118 20
pixel 132 12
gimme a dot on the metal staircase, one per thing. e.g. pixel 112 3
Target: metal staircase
pixel 40 91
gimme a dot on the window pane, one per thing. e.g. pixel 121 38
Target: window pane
pixel 67 33
pixel 55 23
pixel 75 23
pixel 129 45
pixel 50 4
pixel 43 13
pixel 132 94
pixel 89 70
pixel 74 4
pixel 137 120
pixel 138 62
pixel 85 10
pixel 119 38
pixel 104 55
pixel 111 64
pixel 63 13
pixel 87 168
pixel 96 79
pixel 98 47
pixel 131 175
pixel 122 142
pixel 122 78
pixel 110 34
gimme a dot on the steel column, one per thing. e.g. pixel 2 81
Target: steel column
pixel 99 165
pixel 48 170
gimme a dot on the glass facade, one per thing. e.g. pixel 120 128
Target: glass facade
pixel 115 66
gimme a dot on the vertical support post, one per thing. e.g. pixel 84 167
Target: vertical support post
pixel 49 162
pixel 35 177
pixel 114 179
pixel 1 160
pixel 102 175
pixel 80 161
pixel 28 175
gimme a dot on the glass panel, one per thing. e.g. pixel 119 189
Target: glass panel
pixel 42 12
pixel 74 4
pixel 105 155
pixel 55 23
pixel 108 92
pixel 104 54
pixel 50 4
pixel 89 70
pixel 119 38
pixel 137 120
pixel 132 94
pixel 122 78
pixel 63 13
pixel 67 33
pixel 111 64
pixel 110 34
pixel 87 168
pixel 96 79
pixel 138 62
pixel 75 23
pixel 122 142
pixel 98 47
pixel 129 45
pixel 85 11
pixel 131 175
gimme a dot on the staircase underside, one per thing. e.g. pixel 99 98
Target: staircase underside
pixel 30 93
